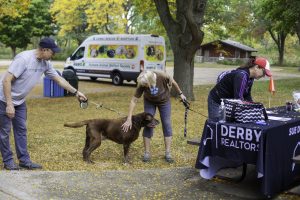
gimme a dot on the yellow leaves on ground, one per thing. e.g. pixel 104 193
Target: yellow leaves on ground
pixel 59 148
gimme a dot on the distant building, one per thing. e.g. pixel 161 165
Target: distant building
pixel 223 50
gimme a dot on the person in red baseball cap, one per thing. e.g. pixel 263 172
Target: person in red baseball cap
pixel 264 64
pixel 236 84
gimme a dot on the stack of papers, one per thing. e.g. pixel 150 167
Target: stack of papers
pixel 282 119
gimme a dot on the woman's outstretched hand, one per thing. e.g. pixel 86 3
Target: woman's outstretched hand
pixel 127 125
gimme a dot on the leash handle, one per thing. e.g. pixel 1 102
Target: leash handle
pixel 185 121
pixel 83 104
pixel 185 103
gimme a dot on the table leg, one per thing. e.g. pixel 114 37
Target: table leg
pixel 239 179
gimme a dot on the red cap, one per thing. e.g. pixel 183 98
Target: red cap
pixel 264 63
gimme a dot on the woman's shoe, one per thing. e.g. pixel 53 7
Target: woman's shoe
pixel 146 157
pixel 169 158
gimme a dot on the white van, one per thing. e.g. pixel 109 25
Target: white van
pixel 119 57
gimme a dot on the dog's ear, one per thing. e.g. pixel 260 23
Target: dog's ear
pixel 148 116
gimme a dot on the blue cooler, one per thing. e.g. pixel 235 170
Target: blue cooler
pixel 52 89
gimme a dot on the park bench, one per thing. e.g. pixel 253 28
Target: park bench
pixel 196 142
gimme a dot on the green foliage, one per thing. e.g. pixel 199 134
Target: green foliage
pixel 18 32
pixel 13 8
pixel 77 19
pixel 229 19
pixel 146 18
pixel 40 19
pixel 15 32
pixel 279 19
pixel 279 15
pixel 64 54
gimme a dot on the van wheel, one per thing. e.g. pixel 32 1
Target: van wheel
pixel 93 78
pixel 117 79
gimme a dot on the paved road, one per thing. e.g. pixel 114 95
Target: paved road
pixel 202 75
pixel 176 183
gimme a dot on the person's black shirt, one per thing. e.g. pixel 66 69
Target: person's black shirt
pixel 235 84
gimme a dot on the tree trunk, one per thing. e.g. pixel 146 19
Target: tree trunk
pixel 13 50
pixel 281 52
pixel 185 38
pixel 279 39
pixel 298 31
pixel 184 73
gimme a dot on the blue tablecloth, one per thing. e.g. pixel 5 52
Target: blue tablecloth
pixel 270 147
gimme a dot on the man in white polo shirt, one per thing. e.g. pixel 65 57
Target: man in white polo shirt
pixel 22 75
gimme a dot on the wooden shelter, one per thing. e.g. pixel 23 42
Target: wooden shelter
pixel 224 50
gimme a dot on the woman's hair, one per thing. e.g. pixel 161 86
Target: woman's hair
pixel 250 63
pixel 146 78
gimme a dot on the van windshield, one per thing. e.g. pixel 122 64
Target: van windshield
pixel 79 54
pixel 112 51
pixel 154 53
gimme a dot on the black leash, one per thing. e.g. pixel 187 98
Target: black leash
pixel 98 106
pixel 187 108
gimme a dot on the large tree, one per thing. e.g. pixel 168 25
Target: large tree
pixel 280 18
pixel 78 19
pixel 295 16
pixel 16 32
pixel 185 35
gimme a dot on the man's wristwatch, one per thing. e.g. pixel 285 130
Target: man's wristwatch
pixel 75 92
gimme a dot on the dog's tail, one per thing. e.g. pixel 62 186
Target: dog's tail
pixel 76 124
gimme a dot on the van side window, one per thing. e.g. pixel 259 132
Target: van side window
pixel 79 54
pixel 118 51
pixel 154 52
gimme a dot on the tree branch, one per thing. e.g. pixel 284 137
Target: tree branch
pixel 297 27
pixel 107 24
pixel 163 10
pixel 192 23
pixel 192 11
pixel 273 37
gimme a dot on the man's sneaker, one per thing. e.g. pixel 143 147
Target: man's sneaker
pixel 169 158
pixel 30 165
pixel 146 157
pixel 11 166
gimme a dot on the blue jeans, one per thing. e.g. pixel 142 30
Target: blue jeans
pixel 20 133
pixel 165 116
pixel 213 110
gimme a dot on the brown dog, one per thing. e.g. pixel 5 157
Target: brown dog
pixel 100 129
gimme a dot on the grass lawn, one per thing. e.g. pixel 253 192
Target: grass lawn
pixel 60 148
